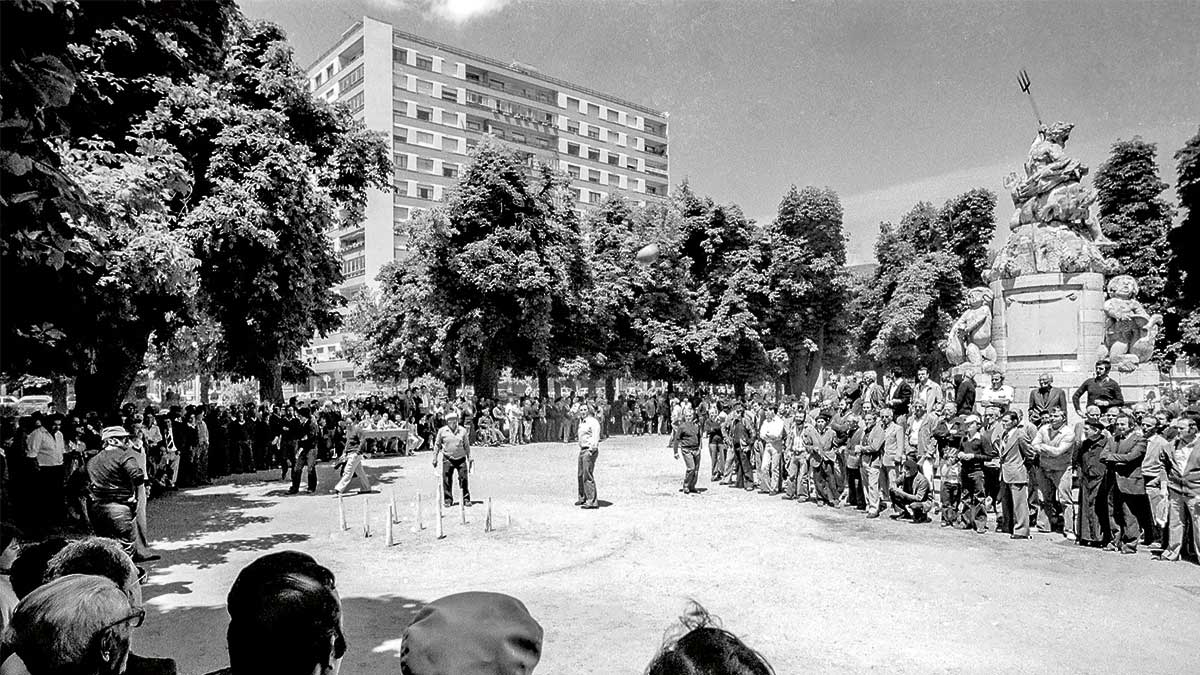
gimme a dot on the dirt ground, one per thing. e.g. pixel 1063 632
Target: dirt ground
pixel 812 589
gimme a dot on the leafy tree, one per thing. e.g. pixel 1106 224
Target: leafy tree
pixel 968 222
pixel 1182 306
pixel 1136 217
pixel 503 263
pixel 274 169
pixel 807 281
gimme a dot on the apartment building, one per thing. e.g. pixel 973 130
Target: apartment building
pixel 437 102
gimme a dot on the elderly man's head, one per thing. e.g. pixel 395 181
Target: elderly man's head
pixel 99 556
pixel 75 624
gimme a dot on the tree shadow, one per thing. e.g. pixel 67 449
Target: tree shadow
pixel 373 626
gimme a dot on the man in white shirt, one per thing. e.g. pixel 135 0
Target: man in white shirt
pixel 773 433
pixel 589 448
pixel 999 394
pixel 1054 445
pixel 927 391
pixel 46 445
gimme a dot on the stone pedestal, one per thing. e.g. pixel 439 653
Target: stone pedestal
pixel 1047 323
pixel 1054 323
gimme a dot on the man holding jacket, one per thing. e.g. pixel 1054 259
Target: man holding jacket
pixel 1014 477
pixel 1126 492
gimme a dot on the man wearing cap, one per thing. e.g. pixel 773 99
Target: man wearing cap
pixel 474 633
pixel 1102 391
pixel 912 498
pixel 452 444
pixel 114 476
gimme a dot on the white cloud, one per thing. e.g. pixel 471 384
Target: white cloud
pixel 454 11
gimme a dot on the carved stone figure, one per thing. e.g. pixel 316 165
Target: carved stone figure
pixel 970 339
pixel 1129 330
pixel 1052 228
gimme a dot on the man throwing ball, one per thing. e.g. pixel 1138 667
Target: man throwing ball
pixel 452 444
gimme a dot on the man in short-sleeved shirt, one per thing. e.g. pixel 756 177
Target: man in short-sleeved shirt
pixel 114 475
pixel 452 443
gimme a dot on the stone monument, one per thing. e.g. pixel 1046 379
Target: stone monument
pixel 1049 312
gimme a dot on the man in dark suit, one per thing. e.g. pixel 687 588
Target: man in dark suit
pixel 1047 397
pixel 1126 492
pixel 1014 477
pixel 964 394
pixel 900 395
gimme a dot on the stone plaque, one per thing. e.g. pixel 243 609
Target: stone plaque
pixel 1043 322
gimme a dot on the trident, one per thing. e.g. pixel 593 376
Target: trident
pixel 1023 82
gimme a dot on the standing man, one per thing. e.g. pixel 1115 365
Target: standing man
pixel 589 449
pixel 928 391
pixel 1102 391
pixel 999 395
pixel 818 442
pixel 964 394
pixel 203 441
pixel 114 476
pixel 738 435
pixel 973 453
pixel 306 434
pixel 1182 466
pixel 353 461
pixel 1127 505
pixel 899 397
pixel 46 446
pixel 1055 445
pixel 1014 477
pixel 773 433
pixel 1046 397
pixel 893 453
pixel 1161 442
pixel 686 439
pixel 871 458
pixel 452 444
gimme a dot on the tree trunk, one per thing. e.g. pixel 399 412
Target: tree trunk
pixel 778 389
pixel 451 387
pixel 543 384
pixel 557 388
pixel 205 387
pixel 739 389
pixel 270 383
pixel 610 388
pixel 787 384
pixel 58 393
pixel 114 369
pixel 486 379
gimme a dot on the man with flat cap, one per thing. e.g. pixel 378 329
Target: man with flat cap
pixel 473 633
pixel 114 475
pixel 452 444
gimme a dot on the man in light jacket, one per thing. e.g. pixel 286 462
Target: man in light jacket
pixel 589 449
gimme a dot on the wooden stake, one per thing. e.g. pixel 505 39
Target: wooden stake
pixel 341 514
pixel 462 510
pixel 391 515
pixel 417 524
pixel 487 524
pixel 507 521
pixel 440 533
pixel 395 511
pixel 366 517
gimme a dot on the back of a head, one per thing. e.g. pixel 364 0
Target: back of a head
pixel 288 623
pixel 246 587
pixel 74 624
pixel 28 570
pixel 472 633
pixel 94 555
pixel 706 649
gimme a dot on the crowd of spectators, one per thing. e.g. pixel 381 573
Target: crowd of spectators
pixel 72 606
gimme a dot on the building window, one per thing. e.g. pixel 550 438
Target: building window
pixel 425 87
pixel 594 154
pixel 450 94
pixel 449 171
pixel 496 84
pixel 573 127
pixel 593 176
pixel 474 125
pixel 593 109
pixel 572 103
pixel 613 115
pixel 573 149
pixel 354 267
pixel 424 191
pixel 424 62
pixel 424 138
pixel 354 78
pixel 572 171
pixel 329 72
pixel 631 163
pixel 594 132
pixel 424 114
pixel 399 55
pixel 518 137
pixel 425 164
pixel 399 136
pixel 614 159
pixel 399 117
pixel 399 161
pixel 355 102
pixel 400 213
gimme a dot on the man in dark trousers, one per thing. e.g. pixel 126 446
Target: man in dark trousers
pixel 1015 453
pixel 686 440
pixel 740 439
pixel 1102 391
pixel 900 395
pixel 305 433
pixel 964 394
pixel 973 453
pixel 1046 397
pixel 451 442
pixel 1126 492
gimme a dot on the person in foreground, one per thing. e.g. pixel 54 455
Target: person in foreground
pixel 473 633
pixel 698 645
pixel 285 617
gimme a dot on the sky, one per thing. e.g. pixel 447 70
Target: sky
pixel 888 103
